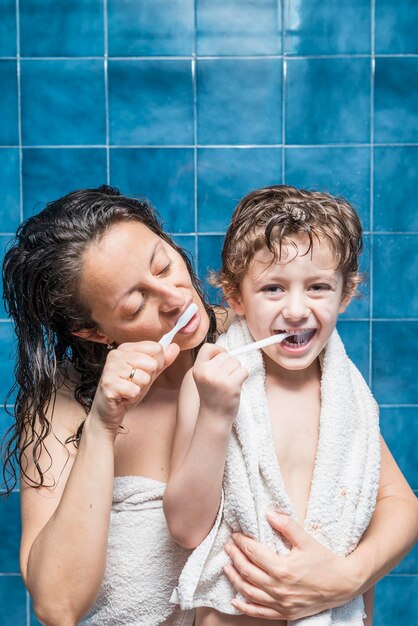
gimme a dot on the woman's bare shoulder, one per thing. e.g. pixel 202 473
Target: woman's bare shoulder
pixel 224 317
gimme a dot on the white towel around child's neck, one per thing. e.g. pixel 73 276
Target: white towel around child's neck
pixel 344 484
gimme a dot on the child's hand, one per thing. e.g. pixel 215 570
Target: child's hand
pixel 219 379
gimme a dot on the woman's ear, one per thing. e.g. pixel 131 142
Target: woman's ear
pixel 92 334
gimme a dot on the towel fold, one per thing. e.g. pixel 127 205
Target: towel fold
pixel 343 490
pixel 143 562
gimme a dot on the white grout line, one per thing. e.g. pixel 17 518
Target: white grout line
pixel 371 240
pixel 195 178
pixel 215 146
pixel 106 81
pixel 214 57
pixel 19 109
pixel 281 7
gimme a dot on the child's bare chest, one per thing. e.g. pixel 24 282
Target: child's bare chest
pixel 295 430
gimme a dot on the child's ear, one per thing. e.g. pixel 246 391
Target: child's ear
pixel 235 302
pixel 345 301
pixel 347 296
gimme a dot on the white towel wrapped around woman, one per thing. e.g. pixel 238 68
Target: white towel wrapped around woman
pixel 344 484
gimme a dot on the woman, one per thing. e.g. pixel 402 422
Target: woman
pixel 92 283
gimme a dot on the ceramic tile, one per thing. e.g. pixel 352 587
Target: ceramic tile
pixel 395 346
pixel 239 101
pixel 395 181
pixel 63 103
pixel 61 29
pixel 156 28
pixel 395 276
pixel 355 336
pixel 396 100
pixel 49 173
pixel 9 189
pixel 12 601
pixel 158 111
pixel 339 171
pixel 7 350
pixel 8 28
pixel 328 101
pixel 396 601
pixel 238 27
pixel 210 248
pixel 8 104
pixel 226 175
pixel 399 427
pixel 395 27
pixel 315 27
pixel 10 532
pixel 165 176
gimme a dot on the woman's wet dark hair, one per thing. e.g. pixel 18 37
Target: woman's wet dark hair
pixel 41 274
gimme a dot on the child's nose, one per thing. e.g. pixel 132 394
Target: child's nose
pixel 295 308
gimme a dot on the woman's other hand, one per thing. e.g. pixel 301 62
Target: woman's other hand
pixel 307 580
pixel 128 374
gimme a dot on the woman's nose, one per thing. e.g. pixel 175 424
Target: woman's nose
pixel 170 297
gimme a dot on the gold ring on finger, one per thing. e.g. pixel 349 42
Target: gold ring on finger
pixel 132 374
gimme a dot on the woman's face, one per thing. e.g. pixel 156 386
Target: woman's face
pixel 136 286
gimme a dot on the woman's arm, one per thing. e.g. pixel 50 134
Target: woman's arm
pixel 65 524
pixel 208 404
pixel 311 578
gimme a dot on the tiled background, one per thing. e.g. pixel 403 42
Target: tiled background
pixel 192 103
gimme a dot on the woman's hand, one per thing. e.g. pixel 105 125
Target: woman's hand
pixel 127 376
pixel 307 580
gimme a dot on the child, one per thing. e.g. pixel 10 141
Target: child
pixel 300 435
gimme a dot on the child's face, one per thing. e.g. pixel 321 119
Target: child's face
pixel 295 293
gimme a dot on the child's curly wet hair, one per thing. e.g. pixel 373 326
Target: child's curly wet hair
pixel 273 216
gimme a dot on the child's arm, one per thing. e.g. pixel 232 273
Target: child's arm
pixel 208 404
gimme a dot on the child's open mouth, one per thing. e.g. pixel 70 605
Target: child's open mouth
pixel 299 340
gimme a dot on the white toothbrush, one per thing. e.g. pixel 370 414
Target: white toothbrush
pixel 256 345
pixel 181 322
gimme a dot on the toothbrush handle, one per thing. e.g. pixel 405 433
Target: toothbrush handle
pixel 256 345
pixel 167 339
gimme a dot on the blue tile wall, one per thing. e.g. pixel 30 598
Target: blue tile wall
pixel 193 103
pixel 315 27
pixel 159 111
pixel 328 101
pixel 239 101
pixel 255 27
pixel 143 28
pixel 63 102
pixel 76 32
pixel 220 184
pixel 8 28
pixel 163 175
pixel 51 172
